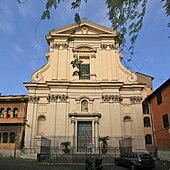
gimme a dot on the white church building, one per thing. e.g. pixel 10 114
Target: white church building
pixel 105 100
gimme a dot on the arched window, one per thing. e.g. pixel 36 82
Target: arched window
pixel 41 125
pixel 8 113
pixel 2 112
pixel 5 137
pixel 15 112
pixel 148 139
pixel 127 126
pixel 12 137
pixel 84 106
pixel 146 121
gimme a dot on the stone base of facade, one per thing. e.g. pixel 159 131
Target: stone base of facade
pixel 9 153
pixel 164 155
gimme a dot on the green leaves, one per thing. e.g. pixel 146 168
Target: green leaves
pixel 76 64
pixel 49 5
pixel 126 17
pixel 75 4
pixel 167 6
pixel 46 14
pixel 167 9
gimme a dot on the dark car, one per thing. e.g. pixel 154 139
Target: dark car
pixel 136 161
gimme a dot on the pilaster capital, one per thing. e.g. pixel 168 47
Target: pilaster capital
pixel 57 98
pixel 135 99
pixel 104 46
pixel 33 99
pixel 55 45
pixel 112 98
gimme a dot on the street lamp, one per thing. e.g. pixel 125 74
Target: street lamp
pixel 15 145
pixel 90 146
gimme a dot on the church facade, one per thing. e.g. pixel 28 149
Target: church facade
pixel 104 100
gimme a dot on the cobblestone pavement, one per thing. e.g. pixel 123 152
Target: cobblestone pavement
pixel 20 164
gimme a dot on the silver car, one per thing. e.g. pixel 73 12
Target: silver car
pixel 135 161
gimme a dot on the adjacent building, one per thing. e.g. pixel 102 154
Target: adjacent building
pixel 12 123
pixel 160 112
pixel 98 97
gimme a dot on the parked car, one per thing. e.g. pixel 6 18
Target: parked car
pixel 136 161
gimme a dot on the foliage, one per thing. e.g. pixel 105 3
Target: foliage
pixel 66 144
pixel 126 16
pixel 88 163
pixel 104 141
pixel 76 64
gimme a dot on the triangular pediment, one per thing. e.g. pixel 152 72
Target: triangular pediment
pixel 85 27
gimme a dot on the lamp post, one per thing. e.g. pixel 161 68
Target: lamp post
pixel 90 146
pixel 15 145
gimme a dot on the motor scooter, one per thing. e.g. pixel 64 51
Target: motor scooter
pixel 98 163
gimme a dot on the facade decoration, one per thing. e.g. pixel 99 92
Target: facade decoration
pixel 108 46
pixel 84 30
pixel 111 98
pixel 135 99
pixel 33 99
pixel 59 45
pixel 57 98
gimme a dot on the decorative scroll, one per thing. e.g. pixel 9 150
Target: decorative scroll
pixel 57 98
pixel 135 99
pixel 111 98
pixel 33 99
pixel 58 45
pixel 108 46
pixel 37 77
pixel 132 77
pixel 96 120
pixel 73 119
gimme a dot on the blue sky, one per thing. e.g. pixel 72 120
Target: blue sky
pixel 22 54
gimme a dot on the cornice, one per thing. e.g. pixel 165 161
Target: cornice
pixel 85 114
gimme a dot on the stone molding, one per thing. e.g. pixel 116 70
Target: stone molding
pixel 57 98
pixel 135 99
pixel 108 46
pixel 58 45
pixel 112 98
pixel 75 114
pixel 33 99
pixel 84 98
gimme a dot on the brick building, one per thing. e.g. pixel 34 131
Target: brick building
pixel 12 123
pixel 160 111
pixel 147 119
